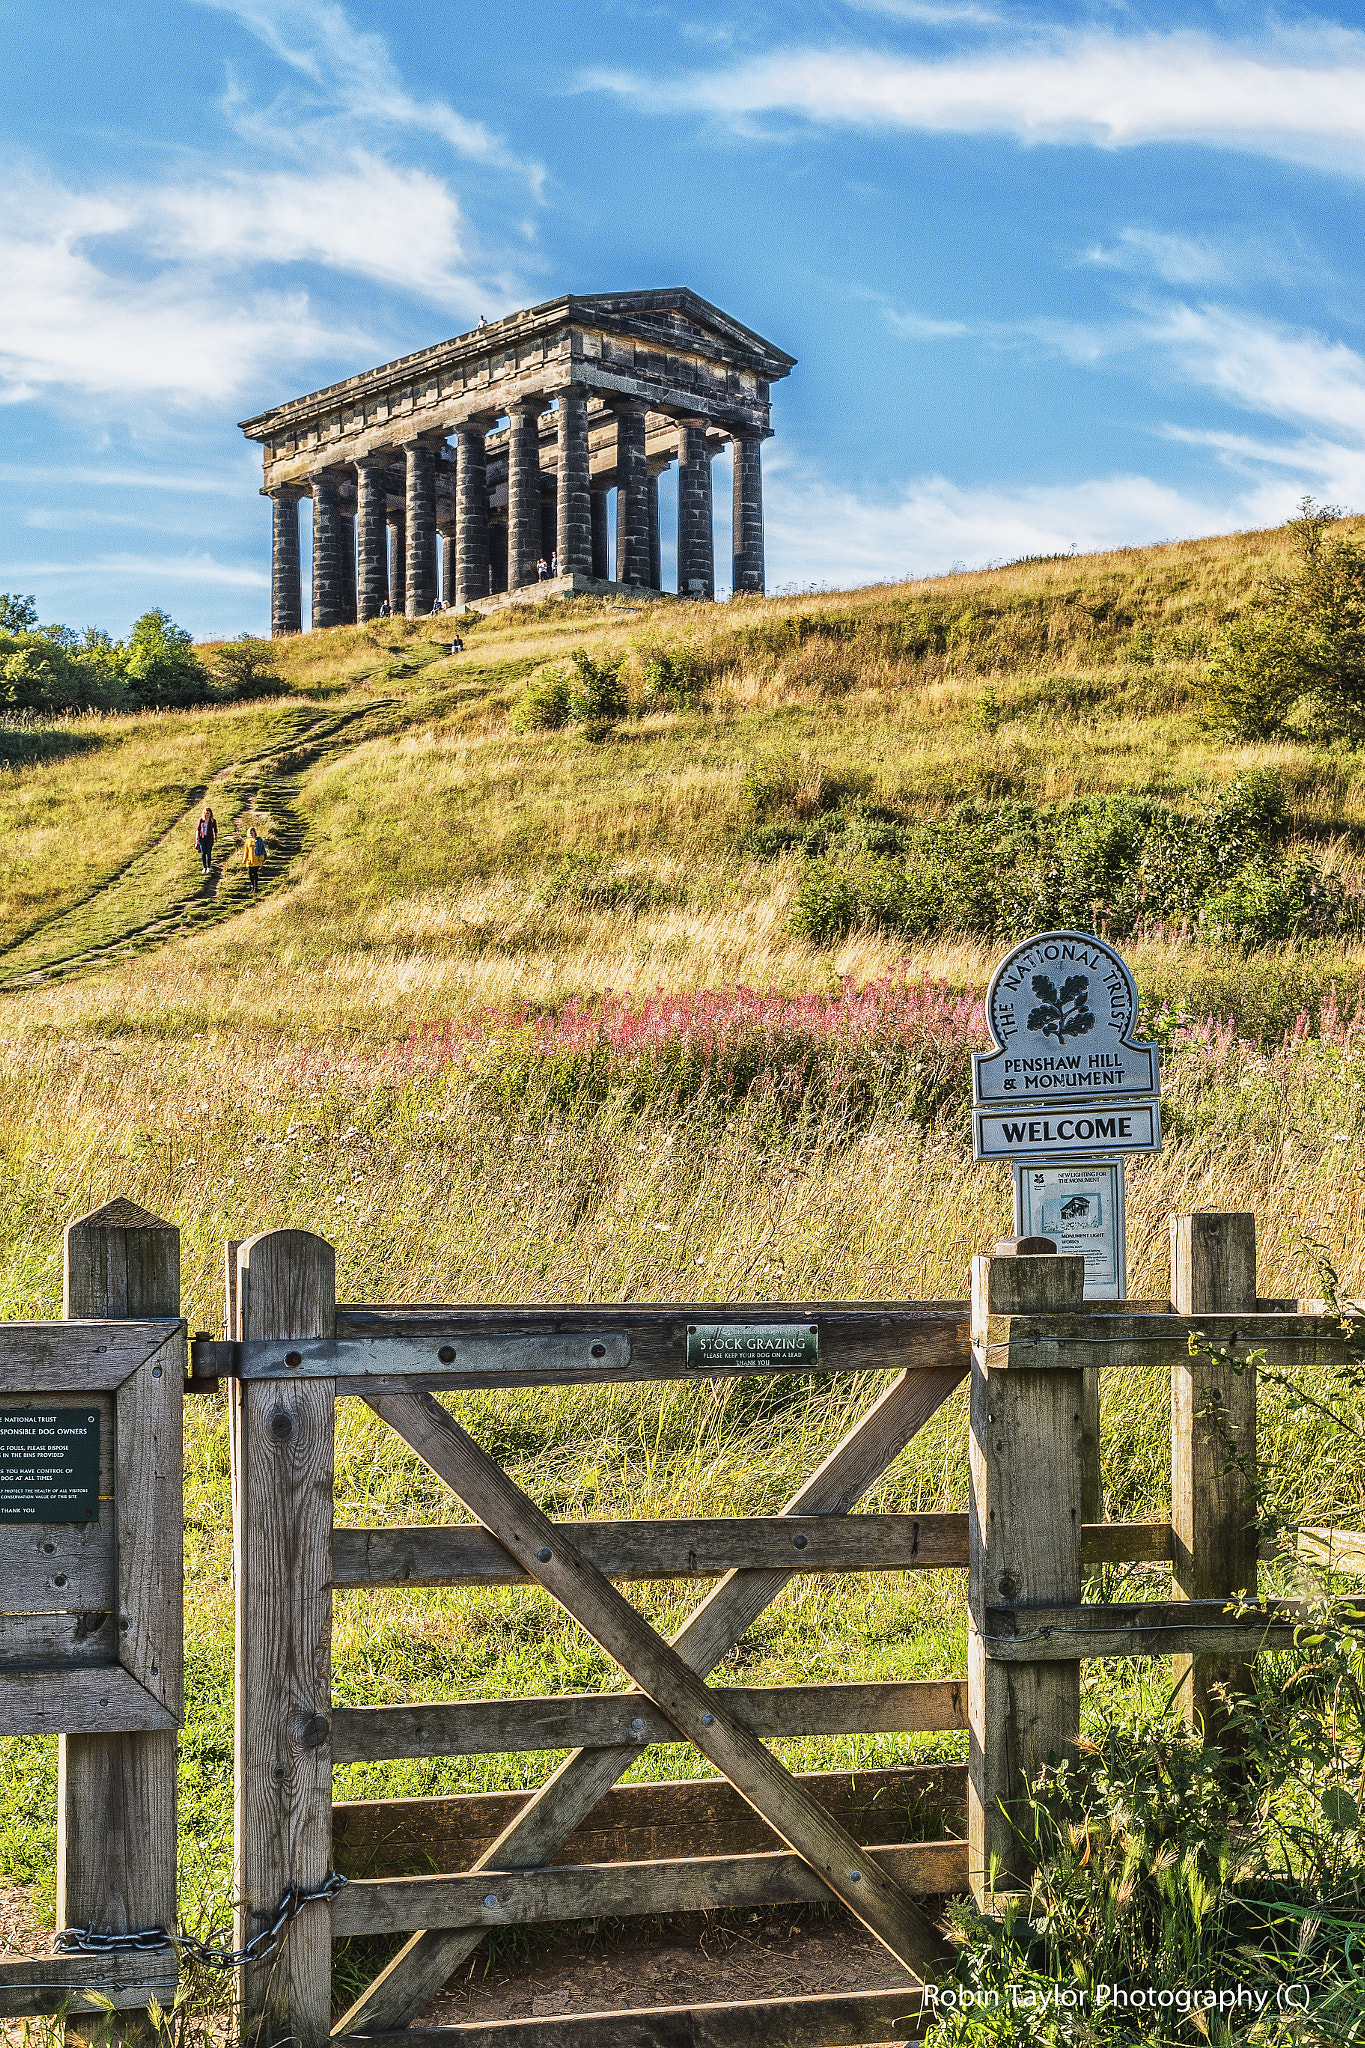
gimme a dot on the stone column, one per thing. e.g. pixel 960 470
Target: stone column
pixel 575 543
pixel 549 522
pixel 471 514
pixel 497 556
pixel 286 579
pixel 348 590
pixel 601 567
pixel 326 554
pixel 747 566
pixel 523 492
pixel 446 529
pixel 656 572
pixel 696 554
pixel 398 564
pixel 420 591
pixel 632 496
pixel 372 576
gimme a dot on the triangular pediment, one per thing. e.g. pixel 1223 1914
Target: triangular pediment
pixel 678 316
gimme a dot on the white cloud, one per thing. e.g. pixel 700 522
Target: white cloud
pixel 399 226
pixel 1302 97
pixel 919 327
pixel 1178 259
pixel 160 568
pixel 83 313
pixel 354 79
pixel 819 532
pixel 1265 368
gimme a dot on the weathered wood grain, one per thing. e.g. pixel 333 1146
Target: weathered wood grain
pixel 563 1803
pixel 80 1703
pixel 399 1350
pixel 1025 1530
pixel 1126 1543
pixel 53 1984
pixel 597 1720
pixel 643 1823
pixel 88 1356
pixel 37 1642
pixel 695 1884
pixel 149 1495
pixel 876 1899
pixel 282 1537
pixel 1213 1447
pixel 116 1832
pixel 826 2020
pixel 65 1565
pixel 1110 1342
pixel 1139 1628
pixel 435 1556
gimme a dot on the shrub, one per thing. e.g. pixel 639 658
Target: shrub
pixel 1123 864
pixel 674 680
pixel 1301 655
pixel 546 704
pixel 588 693
pixel 599 695
pixel 245 667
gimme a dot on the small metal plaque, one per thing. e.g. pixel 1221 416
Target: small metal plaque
pixel 49 1465
pixel 753 1347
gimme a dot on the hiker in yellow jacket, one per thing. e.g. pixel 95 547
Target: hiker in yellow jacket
pixel 254 857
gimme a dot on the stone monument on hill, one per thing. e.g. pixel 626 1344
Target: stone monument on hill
pixel 598 394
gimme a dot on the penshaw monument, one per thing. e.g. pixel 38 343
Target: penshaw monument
pixel 456 472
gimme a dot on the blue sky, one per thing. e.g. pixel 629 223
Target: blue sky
pixel 1055 275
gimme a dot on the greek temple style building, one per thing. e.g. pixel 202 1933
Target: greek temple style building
pixel 502 445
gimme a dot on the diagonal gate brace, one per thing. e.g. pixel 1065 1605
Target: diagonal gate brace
pixel 429 1959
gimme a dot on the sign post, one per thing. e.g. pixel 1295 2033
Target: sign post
pixel 1066 1091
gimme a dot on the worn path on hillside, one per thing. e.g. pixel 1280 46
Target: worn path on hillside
pixel 160 893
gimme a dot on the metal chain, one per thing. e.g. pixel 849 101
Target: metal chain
pixel 85 1941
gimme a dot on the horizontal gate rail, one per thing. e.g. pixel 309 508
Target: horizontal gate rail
pixel 437 1554
pixel 701 1884
pixel 598 1720
pixel 36 1985
pixel 658 1818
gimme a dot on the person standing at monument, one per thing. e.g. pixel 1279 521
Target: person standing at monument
pixel 205 834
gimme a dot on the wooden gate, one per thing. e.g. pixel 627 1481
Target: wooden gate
pixel 296 1354
pixel 90 1584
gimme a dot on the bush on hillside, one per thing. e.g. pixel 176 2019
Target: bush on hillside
pixel 1297 663
pixel 1122 864
pixel 245 667
pixel 587 693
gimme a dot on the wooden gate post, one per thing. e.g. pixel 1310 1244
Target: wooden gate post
pixel 1213 1448
pixel 116 1793
pixel 282 1538
pixel 1025 1551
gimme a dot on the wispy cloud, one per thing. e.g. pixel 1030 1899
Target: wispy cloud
pixel 1281 372
pixel 353 78
pixel 1301 97
pixel 200 568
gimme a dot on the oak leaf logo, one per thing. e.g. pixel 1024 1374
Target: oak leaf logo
pixel 1063 1013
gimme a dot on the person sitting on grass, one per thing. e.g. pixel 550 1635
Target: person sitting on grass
pixel 254 858
pixel 205 834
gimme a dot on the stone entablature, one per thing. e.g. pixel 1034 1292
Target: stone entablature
pixel 600 394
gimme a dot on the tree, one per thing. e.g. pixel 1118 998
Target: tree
pixel 1300 656
pixel 245 667
pixel 162 667
pixel 17 614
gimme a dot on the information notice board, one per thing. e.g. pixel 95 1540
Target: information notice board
pixel 49 1464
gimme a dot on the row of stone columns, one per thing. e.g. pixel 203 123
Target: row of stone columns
pixel 360 560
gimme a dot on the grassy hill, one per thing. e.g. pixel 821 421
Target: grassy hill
pixel 239 1064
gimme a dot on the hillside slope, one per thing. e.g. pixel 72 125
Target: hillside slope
pixel 427 856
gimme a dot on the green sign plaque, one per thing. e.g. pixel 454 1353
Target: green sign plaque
pixel 49 1465
pixel 753 1347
